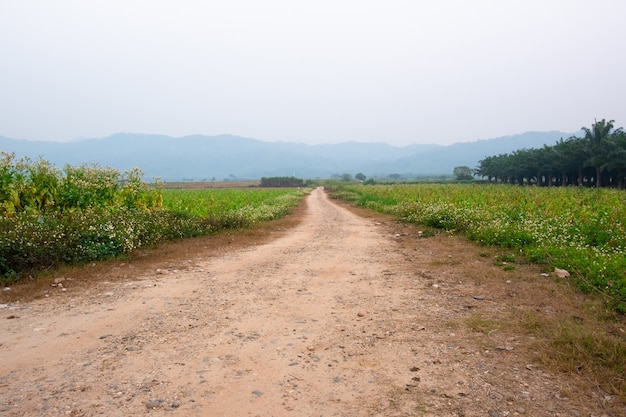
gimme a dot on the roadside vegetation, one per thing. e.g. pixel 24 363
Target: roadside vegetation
pixel 597 159
pixel 282 182
pixel 581 230
pixel 231 208
pixel 50 217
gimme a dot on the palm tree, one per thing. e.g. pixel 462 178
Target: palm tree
pixel 485 168
pixel 616 158
pixel 598 146
pixel 570 155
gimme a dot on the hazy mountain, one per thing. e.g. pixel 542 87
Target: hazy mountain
pixel 201 157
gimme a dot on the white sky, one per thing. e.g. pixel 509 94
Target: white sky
pixel 320 71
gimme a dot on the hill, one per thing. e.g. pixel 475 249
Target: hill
pixel 200 157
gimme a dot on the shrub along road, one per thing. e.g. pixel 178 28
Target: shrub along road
pixel 344 315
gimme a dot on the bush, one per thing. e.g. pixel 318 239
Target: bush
pixel 37 187
pixel 79 214
pixel 118 219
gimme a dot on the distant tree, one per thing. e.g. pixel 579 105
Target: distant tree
pixel 596 160
pixel 282 182
pixel 598 140
pixel 463 173
pixel 346 177
pixel 565 161
pixel 360 177
pixel 487 168
pixel 617 158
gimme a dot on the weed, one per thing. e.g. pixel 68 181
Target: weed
pixel 506 258
pixel 478 323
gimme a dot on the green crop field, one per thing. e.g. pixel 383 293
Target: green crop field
pixel 80 214
pixel 581 230
pixel 251 204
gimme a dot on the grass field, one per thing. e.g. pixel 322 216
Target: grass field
pixel 252 204
pixel 202 185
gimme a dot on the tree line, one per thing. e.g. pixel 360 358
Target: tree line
pixel 597 159
pixel 281 182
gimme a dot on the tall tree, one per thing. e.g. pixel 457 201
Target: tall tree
pixel 597 159
pixel 617 158
pixel 598 140
pixel 570 157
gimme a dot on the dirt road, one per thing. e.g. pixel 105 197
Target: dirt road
pixel 343 316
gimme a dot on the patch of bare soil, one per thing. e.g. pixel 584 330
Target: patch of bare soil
pixel 340 315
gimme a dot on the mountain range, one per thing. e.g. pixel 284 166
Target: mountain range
pixel 229 157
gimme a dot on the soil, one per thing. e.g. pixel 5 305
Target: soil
pixel 347 313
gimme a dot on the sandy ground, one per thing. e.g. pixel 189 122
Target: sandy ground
pixel 343 316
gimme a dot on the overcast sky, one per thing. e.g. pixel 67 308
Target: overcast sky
pixel 320 71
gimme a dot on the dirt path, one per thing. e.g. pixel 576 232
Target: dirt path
pixel 344 316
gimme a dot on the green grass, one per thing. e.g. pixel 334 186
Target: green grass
pixel 255 204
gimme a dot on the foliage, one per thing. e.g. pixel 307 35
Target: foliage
pixel 463 173
pixel 282 182
pixel 578 229
pixel 37 187
pixel 29 242
pixel 26 185
pixel 597 159
pixel 88 213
